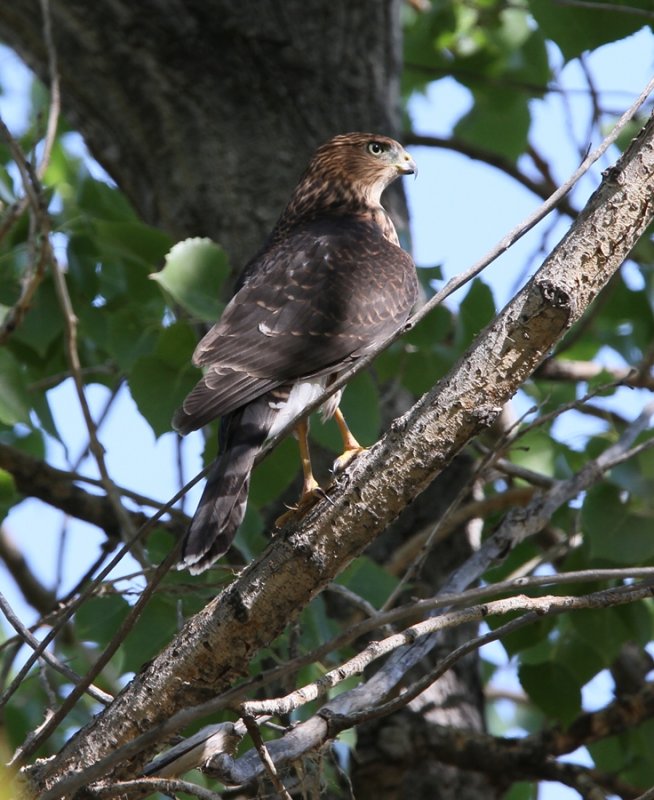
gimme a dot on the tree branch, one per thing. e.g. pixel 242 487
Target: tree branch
pixel 36 478
pixel 560 369
pixel 542 189
pixel 363 703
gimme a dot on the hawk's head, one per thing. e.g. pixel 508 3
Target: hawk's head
pixel 352 169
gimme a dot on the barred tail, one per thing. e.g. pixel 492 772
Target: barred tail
pixel 222 505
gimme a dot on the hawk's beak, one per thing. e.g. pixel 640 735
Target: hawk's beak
pixel 406 165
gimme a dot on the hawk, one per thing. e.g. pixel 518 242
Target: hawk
pixel 329 285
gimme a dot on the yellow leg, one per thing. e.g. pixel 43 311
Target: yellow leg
pixel 351 448
pixel 311 490
pixel 309 484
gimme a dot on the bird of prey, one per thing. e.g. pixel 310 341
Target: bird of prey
pixel 329 285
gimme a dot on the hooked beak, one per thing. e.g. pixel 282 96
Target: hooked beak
pixel 406 165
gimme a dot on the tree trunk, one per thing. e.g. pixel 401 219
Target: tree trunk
pixel 205 113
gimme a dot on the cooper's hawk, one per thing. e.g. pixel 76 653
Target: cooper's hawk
pixel 328 286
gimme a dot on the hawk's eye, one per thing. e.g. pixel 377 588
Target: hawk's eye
pixel 375 148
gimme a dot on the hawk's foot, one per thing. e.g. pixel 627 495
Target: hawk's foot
pixel 346 457
pixel 311 493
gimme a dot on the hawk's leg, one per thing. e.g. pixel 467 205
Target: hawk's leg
pixel 311 491
pixel 351 448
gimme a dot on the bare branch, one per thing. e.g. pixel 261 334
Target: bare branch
pixel 529 520
pixel 165 785
pixel 560 369
pixel 82 684
pixel 264 755
pixel 598 6
pixel 31 588
pixel 196 750
pixel 55 90
pixel 542 189
pixel 363 703
pixel 49 658
pixel 36 478
pixel 38 235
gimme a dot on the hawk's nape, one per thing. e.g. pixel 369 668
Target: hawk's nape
pixel 330 284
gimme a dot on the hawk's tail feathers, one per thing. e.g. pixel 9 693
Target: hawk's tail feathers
pixel 222 506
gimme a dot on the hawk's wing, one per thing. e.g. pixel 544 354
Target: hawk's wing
pixel 325 294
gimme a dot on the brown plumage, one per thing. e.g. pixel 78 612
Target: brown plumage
pixel 328 286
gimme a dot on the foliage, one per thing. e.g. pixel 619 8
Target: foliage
pixel 141 302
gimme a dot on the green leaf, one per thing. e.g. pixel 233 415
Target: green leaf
pixel 83 256
pixel 531 641
pixel 159 382
pixel 8 494
pixel 476 311
pixel 637 621
pixel 194 273
pixel 250 539
pixel 316 626
pixel 153 630
pixel 274 474
pixel 436 328
pixel 614 534
pixel 522 791
pixel 553 689
pixel 576 29
pixel 98 619
pixel 41 407
pixel 600 629
pixel 498 121
pixel 133 239
pixel 14 398
pixel 581 657
pixel 367 579
pixel 608 754
pixel 535 450
pixel 43 323
pixel 103 201
pixel 127 338
pixel 360 406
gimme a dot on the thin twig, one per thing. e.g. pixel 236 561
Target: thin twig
pixel 55 91
pixel 530 520
pixel 593 5
pixel 536 607
pixel 541 189
pixel 91 588
pixel 363 703
pixel 165 785
pixel 72 354
pixel 39 227
pixel 49 658
pixel 264 755
pixel 34 742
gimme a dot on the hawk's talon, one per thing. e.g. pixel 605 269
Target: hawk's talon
pixel 307 500
pixel 346 458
